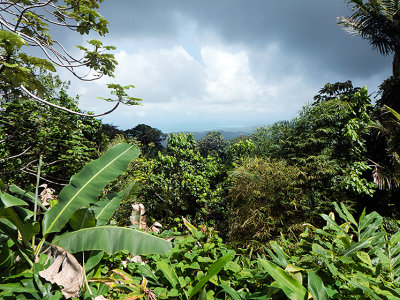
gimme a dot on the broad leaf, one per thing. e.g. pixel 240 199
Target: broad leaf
pixel 27 229
pixel 112 239
pixel 82 218
pixel 231 292
pixel 105 209
pixel 94 257
pixel 290 286
pixel 214 269
pixel 28 196
pixel 17 288
pixel 355 247
pixel 316 287
pixel 169 273
pixel 7 200
pixel 85 187
pixel 365 289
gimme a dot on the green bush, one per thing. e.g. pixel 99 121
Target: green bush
pixel 266 198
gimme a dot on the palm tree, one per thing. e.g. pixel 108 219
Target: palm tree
pixel 379 22
pixel 387 174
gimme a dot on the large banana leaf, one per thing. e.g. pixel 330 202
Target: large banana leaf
pixel 85 187
pixel 7 200
pixel 112 239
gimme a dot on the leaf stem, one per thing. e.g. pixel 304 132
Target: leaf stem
pixel 36 196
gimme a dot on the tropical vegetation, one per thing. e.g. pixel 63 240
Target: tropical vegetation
pixel 300 209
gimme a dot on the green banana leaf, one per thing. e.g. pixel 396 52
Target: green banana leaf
pixel 290 286
pixel 104 209
pixel 112 239
pixel 27 229
pixel 7 200
pixel 85 187
pixel 82 218
pixel 28 196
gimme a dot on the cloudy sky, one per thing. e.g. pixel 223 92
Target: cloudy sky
pixel 202 65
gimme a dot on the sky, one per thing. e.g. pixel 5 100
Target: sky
pixel 226 64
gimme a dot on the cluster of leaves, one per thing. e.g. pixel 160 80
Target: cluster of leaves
pixel 266 198
pixel 199 266
pixel 328 140
pixel 349 260
pixel 181 182
pixel 30 129
pixel 76 223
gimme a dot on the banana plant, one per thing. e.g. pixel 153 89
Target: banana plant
pixel 78 206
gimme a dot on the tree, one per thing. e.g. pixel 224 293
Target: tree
pixel 267 197
pixel 328 142
pixel 214 144
pixel 387 169
pixel 27 24
pixel 29 129
pixel 150 138
pixel 379 23
pixel 181 182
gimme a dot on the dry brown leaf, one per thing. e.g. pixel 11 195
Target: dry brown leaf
pixel 46 195
pixel 64 271
pixel 156 227
pixel 137 217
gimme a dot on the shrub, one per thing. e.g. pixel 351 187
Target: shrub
pixel 266 198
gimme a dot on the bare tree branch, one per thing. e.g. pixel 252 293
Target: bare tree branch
pixel 15 156
pixel 66 109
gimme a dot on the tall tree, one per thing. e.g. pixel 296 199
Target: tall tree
pixel 377 21
pixel 150 138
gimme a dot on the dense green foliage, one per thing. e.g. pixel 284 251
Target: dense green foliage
pixel 266 198
pixel 181 182
pixel 76 215
pixel 150 138
pixel 355 259
pixel 244 202
pixel 29 129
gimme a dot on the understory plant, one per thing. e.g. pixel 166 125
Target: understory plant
pixel 199 266
pixel 347 259
pixel 61 246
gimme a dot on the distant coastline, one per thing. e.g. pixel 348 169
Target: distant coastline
pixel 228 134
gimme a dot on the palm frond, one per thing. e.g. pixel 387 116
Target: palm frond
pixel 375 20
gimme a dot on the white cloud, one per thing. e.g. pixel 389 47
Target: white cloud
pixel 221 89
pixel 229 79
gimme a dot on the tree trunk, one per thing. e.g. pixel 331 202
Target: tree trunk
pixel 396 64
